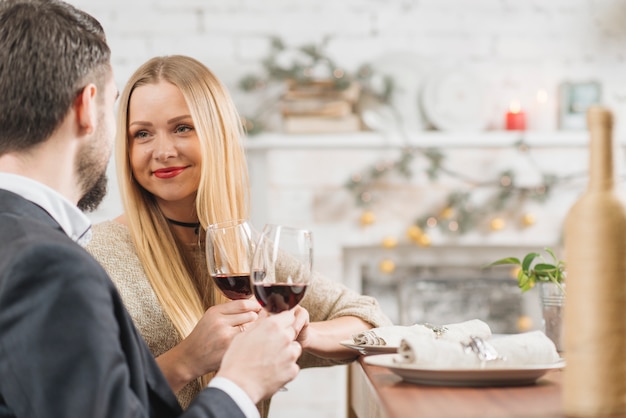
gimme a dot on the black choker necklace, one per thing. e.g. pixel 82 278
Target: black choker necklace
pixel 194 225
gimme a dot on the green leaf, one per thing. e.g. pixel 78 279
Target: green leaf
pixel 249 82
pixel 544 267
pixel 277 43
pixel 507 260
pixel 549 251
pixel 528 260
pixel 524 282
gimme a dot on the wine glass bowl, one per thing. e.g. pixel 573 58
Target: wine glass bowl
pixel 281 268
pixel 229 247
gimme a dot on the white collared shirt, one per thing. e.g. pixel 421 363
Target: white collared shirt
pixel 74 223
pixel 240 397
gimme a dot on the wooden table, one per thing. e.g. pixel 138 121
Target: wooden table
pixel 376 392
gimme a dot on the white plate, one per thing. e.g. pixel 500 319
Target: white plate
pixel 366 349
pixel 407 70
pixel 456 101
pixel 494 376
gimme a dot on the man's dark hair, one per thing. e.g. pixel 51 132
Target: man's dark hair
pixel 49 51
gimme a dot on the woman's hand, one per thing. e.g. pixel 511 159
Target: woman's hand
pixel 322 338
pixel 202 351
pixel 302 324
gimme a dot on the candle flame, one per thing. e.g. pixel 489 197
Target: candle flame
pixel 542 96
pixel 515 107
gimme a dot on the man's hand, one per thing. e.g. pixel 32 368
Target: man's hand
pixel 263 358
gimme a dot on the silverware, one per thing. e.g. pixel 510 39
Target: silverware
pixel 483 350
pixel 439 330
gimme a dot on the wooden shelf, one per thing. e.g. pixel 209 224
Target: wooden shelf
pixel 426 139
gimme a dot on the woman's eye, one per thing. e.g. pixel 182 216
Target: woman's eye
pixel 139 135
pixel 181 129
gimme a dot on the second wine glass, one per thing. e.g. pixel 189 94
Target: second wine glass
pixel 281 268
pixel 229 247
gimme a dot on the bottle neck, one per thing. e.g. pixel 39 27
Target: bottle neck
pixel 600 151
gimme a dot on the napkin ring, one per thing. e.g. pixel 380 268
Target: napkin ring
pixel 483 350
pixel 439 330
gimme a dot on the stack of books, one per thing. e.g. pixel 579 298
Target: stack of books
pixel 319 107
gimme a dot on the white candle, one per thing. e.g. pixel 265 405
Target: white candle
pixel 543 112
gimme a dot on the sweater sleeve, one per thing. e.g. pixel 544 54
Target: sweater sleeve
pixel 326 300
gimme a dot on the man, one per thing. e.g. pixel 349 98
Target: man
pixel 68 348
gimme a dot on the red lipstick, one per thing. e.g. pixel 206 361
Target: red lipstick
pixel 168 173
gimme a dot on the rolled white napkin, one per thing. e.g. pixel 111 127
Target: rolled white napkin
pixel 530 348
pixel 393 335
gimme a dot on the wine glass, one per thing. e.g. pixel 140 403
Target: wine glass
pixel 229 247
pixel 281 268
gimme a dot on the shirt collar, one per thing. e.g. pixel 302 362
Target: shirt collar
pixel 73 222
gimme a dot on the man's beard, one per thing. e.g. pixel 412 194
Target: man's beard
pixel 94 196
pixel 91 169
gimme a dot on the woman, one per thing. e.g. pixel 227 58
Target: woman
pixel 181 167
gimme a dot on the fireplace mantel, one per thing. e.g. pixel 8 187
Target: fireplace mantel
pixel 424 139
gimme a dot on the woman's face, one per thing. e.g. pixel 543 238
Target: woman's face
pixel 164 147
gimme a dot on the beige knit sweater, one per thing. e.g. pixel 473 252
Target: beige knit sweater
pixel 112 246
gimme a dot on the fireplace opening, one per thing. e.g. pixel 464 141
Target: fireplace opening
pixel 446 284
pixel 444 295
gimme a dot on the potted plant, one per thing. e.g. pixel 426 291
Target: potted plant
pixel 535 268
pixel 550 274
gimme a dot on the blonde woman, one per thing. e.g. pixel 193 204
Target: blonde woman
pixel 181 166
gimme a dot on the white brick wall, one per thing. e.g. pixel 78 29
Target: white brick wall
pixel 518 46
pixel 574 38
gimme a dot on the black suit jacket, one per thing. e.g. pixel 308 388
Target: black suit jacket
pixel 68 347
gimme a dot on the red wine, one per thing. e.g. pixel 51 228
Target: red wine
pixel 234 286
pixel 278 297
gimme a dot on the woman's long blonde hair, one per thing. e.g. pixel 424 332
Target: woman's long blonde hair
pixel 223 191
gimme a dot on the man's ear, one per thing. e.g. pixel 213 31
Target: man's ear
pixel 85 107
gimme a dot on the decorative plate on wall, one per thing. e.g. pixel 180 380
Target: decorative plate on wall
pixel 455 100
pixel 406 70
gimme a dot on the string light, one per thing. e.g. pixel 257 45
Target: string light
pixel 497 224
pixel 524 323
pixel 515 272
pixel 424 240
pixel 389 242
pixel 368 218
pixel 414 233
pixel 528 219
pixel 387 266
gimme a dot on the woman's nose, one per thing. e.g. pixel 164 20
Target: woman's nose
pixel 164 148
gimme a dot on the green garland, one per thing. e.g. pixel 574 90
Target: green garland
pixel 459 213
pixel 305 66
